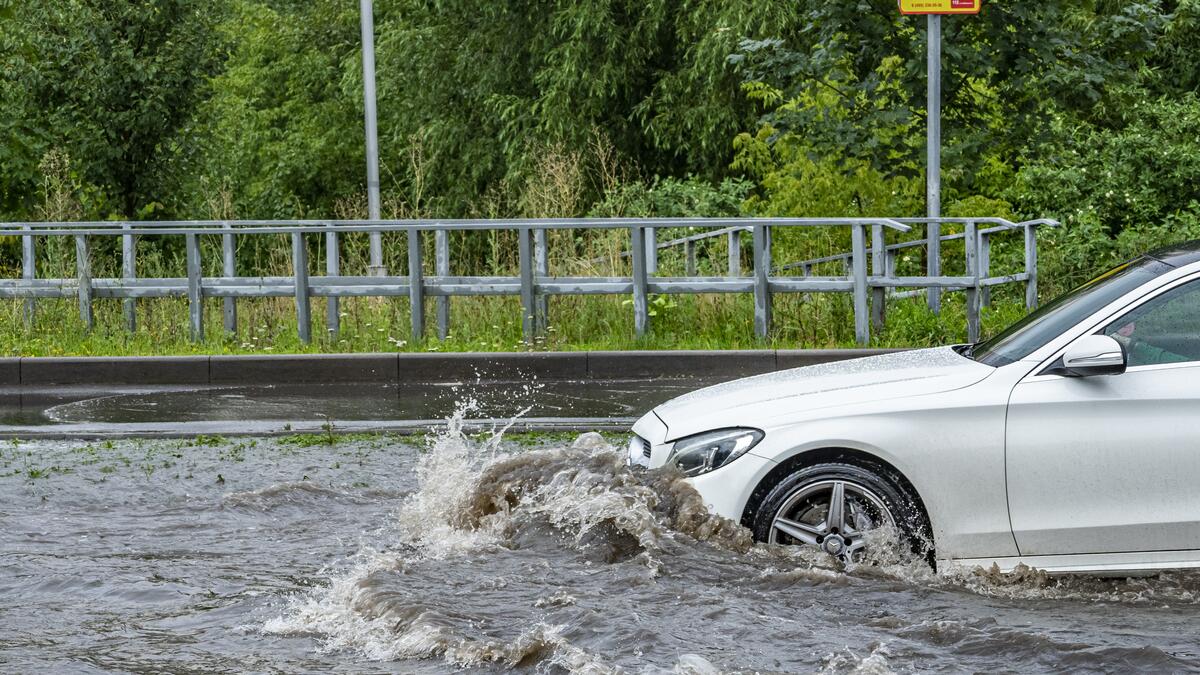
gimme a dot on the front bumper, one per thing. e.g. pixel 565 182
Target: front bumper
pixel 725 490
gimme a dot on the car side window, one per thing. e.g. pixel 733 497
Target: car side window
pixel 1163 330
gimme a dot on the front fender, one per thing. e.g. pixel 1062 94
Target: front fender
pixel 955 462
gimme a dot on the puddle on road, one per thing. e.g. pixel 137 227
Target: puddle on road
pixel 485 553
pixel 358 402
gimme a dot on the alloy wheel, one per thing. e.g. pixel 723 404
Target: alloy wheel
pixel 834 515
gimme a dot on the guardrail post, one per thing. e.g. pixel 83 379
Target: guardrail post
pixel 690 253
pixel 333 268
pixel 651 237
pixel 441 267
pixel 985 267
pixel 735 253
pixel 29 271
pixel 194 290
pixel 229 270
pixel 762 280
pixel 83 269
pixel 525 255
pixel 300 271
pixel 1031 262
pixel 541 267
pixel 641 303
pixel 416 284
pixel 971 246
pixel 879 269
pixel 128 273
pixel 862 326
pixel 934 264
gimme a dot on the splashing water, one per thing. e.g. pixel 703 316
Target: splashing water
pixel 488 531
pixel 472 499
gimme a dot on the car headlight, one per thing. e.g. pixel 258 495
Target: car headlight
pixel 710 450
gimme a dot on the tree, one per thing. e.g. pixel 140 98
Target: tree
pixel 484 85
pixel 111 82
pixel 283 128
pixel 852 80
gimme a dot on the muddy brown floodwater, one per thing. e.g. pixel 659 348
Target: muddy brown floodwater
pixel 483 553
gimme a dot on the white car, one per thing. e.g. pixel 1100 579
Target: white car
pixel 1070 442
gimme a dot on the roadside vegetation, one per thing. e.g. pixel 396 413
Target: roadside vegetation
pixel 1084 112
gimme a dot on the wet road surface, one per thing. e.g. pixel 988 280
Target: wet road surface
pixel 173 411
pixel 317 554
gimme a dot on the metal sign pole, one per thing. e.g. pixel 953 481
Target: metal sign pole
pixel 368 57
pixel 933 166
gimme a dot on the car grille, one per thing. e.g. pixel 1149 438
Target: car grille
pixel 645 447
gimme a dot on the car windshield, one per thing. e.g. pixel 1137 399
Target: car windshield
pixel 1052 319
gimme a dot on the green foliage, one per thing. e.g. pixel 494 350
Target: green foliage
pixel 482 90
pixel 852 81
pixel 690 197
pixel 1119 191
pixel 282 130
pixel 1173 68
pixel 793 180
pixel 114 84
pixel 1085 111
pixel 1141 173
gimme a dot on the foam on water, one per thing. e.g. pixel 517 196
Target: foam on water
pixel 873 663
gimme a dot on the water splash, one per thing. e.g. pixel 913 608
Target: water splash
pixel 474 498
pixel 848 662
pixel 477 502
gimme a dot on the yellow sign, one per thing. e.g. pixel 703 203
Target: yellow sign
pixel 940 6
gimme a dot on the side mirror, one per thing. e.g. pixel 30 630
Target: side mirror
pixel 1093 355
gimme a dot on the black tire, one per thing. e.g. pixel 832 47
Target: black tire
pixel 904 509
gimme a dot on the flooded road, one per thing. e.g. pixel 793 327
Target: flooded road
pixel 272 409
pixel 539 553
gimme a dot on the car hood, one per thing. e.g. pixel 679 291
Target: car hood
pixel 760 399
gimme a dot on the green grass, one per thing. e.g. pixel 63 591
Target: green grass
pixel 487 325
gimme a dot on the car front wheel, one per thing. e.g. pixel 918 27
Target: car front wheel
pixel 835 507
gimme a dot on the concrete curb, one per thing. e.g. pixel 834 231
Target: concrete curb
pixel 10 372
pixel 649 364
pixel 302 368
pixel 260 370
pixel 129 370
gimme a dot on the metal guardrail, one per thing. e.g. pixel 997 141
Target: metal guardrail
pixel 883 276
pixel 533 284
pixel 733 234
pixel 978 257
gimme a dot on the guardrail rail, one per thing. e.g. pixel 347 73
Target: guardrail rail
pixel 869 269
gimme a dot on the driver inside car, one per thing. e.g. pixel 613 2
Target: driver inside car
pixel 1141 353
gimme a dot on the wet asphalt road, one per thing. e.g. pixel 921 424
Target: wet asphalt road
pixel 174 411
